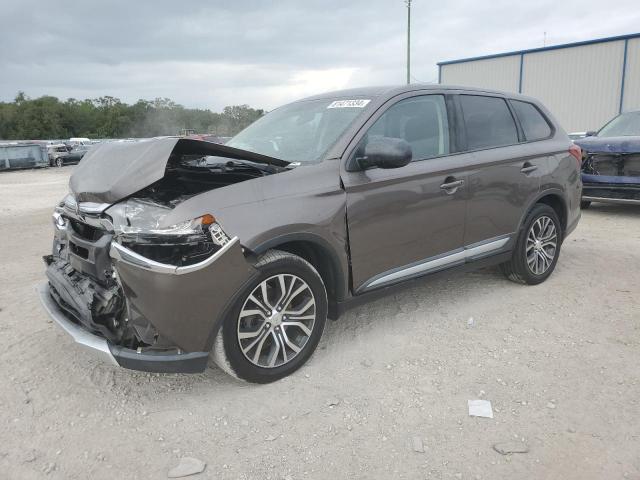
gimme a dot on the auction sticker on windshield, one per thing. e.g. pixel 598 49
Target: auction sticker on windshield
pixel 359 103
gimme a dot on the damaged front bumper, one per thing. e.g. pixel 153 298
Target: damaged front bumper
pixel 611 189
pixel 611 178
pixel 133 311
pixel 116 355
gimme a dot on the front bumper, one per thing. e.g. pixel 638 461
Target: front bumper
pixel 115 355
pixel 133 311
pixel 624 190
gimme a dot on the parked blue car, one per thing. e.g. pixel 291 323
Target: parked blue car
pixel 611 162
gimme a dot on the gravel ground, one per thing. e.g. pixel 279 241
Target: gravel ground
pixel 559 363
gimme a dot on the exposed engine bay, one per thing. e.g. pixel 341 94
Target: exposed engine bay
pixel 189 175
pixel 137 220
pixel 82 276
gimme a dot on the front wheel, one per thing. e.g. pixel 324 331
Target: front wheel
pixel 537 248
pixel 276 323
pixel 59 162
pixel 584 204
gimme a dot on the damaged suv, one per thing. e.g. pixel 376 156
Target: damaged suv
pixel 611 162
pixel 170 251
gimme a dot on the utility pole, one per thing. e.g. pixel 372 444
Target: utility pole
pixel 408 2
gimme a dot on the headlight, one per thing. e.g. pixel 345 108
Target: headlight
pixel 137 226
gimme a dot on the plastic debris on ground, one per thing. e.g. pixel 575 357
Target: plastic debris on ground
pixel 480 408
pixel 188 466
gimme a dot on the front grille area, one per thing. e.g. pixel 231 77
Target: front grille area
pixel 99 308
pixel 86 231
pixel 617 165
pixel 80 251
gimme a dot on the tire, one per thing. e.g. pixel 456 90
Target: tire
pixel 520 269
pixel 59 162
pixel 252 358
pixel 584 204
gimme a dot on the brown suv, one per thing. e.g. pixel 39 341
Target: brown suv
pixel 170 250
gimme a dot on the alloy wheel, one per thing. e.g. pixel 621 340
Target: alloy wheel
pixel 276 320
pixel 542 243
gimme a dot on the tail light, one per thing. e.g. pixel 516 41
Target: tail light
pixel 576 152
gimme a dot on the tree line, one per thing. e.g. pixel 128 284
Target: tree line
pixel 47 117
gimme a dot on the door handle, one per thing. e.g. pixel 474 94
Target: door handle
pixel 528 168
pixel 452 185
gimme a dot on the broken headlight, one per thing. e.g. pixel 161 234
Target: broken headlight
pixel 136 225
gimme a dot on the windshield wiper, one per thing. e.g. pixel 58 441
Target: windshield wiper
pixel 235 165
pixel 215 164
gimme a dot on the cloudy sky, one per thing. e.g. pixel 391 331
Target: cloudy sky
pixel 209 54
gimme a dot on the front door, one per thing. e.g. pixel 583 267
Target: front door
pixel 407 221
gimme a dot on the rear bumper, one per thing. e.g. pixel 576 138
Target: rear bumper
pixel 193 362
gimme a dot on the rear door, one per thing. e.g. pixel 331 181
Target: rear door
pixel 504 176
pixel 401 219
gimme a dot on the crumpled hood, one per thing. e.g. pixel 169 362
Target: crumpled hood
pixel 112 171
pixel 609 144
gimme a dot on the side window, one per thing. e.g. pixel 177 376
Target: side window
pixel 421 121
pixel 534 125
pixel 488 122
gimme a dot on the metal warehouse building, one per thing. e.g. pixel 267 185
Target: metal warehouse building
pixel 584 84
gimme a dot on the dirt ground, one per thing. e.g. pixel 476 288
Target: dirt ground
pixel 559 363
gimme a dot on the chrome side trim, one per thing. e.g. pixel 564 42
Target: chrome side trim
pixel 95 344
pixel 418 269
pixel 128 256
pixel 623 201
pixel 92 208
pixel 477 250
pixel 57 218
pixel 466 254
pixel 89 219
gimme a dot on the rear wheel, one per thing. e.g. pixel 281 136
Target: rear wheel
pixel 537 248
pixel 584 204
pixel 59 162
pixel 276 323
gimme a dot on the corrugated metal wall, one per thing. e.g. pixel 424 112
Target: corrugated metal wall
pixel 497 73
pixel 581 84
pixel 631 100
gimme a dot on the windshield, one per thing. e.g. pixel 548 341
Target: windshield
pixel 301 131
pixel 625 125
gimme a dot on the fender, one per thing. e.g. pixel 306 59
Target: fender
pixel 550 191
pixel 338 266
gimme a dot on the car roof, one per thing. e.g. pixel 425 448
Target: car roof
pixel 389 91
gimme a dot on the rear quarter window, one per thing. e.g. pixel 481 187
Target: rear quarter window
pixel 488 122
pixel 534 125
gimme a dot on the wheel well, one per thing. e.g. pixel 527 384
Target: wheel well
pixel 321 260
pixel 556 202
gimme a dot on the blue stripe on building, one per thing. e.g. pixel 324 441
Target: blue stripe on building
pixel 624 73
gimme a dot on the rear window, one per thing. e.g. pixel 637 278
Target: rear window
pixel 534 125
pixel 488 122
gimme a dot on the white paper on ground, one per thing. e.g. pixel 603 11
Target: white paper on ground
pixel 480 408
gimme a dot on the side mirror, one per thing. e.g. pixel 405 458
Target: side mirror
pixel 385 152
pixel 591 133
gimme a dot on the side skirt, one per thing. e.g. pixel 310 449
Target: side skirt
pixel 369 296
pixel 450 259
